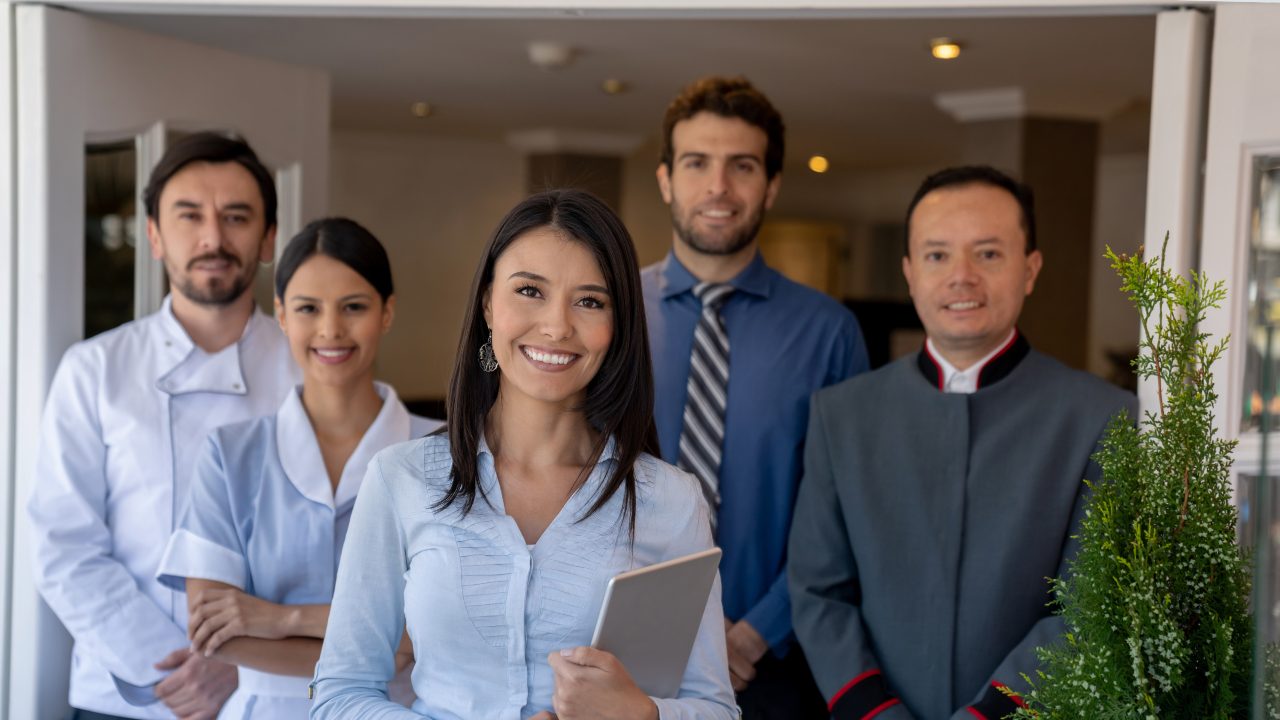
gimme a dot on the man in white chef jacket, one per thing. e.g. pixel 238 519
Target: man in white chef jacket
pixel 125 417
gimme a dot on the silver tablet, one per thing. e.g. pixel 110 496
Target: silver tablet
pixel 650 617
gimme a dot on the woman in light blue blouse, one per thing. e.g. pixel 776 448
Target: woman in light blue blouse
pixel 257 546
pixel 494 542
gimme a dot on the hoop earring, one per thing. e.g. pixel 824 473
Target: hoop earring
pixel 488 361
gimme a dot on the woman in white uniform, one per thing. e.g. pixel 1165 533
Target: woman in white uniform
pixel 495 542
pixel 258 544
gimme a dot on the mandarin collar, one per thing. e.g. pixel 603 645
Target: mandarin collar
pixel 994 368
pixel 188 369
pixel 299 450
pixel 755 279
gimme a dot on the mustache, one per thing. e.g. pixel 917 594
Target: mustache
pixel 219 254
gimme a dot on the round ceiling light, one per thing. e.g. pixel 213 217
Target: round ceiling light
pixel 614 86
pixel 944 48
pixel 421 109
pixel 819 164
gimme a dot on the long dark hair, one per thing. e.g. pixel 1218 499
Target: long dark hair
pixel 619 399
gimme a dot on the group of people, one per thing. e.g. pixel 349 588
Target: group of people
pixel 234 519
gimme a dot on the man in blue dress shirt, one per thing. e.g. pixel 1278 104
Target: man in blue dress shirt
pixel 738 350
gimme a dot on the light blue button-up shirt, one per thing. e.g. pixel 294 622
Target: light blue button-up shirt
pixel 483 608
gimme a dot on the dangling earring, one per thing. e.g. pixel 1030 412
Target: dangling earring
pixel 488 361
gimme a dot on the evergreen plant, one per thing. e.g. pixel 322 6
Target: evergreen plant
pixel 1156 601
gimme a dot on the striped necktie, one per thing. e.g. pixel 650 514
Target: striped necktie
pixel 702 437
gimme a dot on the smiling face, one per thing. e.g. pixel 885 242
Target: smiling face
pixel 210 231
pixel 967 269
pixel 716 185
pixel 334 320
pixel 551 317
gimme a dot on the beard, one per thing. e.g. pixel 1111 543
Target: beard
pixel 729 244
pixel 217 291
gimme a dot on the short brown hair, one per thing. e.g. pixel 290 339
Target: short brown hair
pixel 730 97
pixel 210 147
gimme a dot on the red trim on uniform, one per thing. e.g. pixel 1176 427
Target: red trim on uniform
pixel 1012 339
pixel 881 708
pixel 976 714
pixel 831 706
pixel 1011 695
pixel 942 377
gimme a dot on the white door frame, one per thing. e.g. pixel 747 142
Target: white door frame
pixel 8 329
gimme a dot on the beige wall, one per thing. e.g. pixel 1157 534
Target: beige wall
pixel 434 203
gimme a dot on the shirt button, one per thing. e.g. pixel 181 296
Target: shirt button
pixel 235 386
pixel 168 343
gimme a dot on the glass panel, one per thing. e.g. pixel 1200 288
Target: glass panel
pixel 1264 291
pixel 110 191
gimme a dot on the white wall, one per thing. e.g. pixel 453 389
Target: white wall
pixel 433 202
pixel 76 76
pixel 1119 214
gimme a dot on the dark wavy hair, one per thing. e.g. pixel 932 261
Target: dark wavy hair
pixel 210 147
pixel 954 177
pixel 729 97
pixel 344 240
pixel 619 399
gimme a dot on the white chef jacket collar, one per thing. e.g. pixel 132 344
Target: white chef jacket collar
pixel 190 369
pixel 300 451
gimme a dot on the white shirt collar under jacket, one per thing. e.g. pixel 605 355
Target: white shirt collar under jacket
pixel 300 451
pixel 965 382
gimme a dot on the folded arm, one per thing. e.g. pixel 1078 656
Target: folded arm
pixel 234 627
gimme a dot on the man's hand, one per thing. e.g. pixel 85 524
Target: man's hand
pixel 197 687
pixel 746 647
pixel 221 614
pixel 591 683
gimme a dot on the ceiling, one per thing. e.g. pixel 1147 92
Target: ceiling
pixel 860 91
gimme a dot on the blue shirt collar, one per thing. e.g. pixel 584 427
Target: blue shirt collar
pixel 756 278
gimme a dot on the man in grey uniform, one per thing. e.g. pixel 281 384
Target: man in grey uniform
pixel 941 490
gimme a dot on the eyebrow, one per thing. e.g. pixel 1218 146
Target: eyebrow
pixel 538 278
pixel 946 243
pixel 344 298
pixel 735 156
pixel 191 204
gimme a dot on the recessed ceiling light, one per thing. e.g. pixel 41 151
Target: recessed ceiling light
pixel 819 164
pixel 944 48
pixel 614 86
pixel 421 109
pixel 551 55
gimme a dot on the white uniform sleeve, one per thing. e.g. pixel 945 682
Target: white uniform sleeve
pixel 92 593
pixel 206 544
